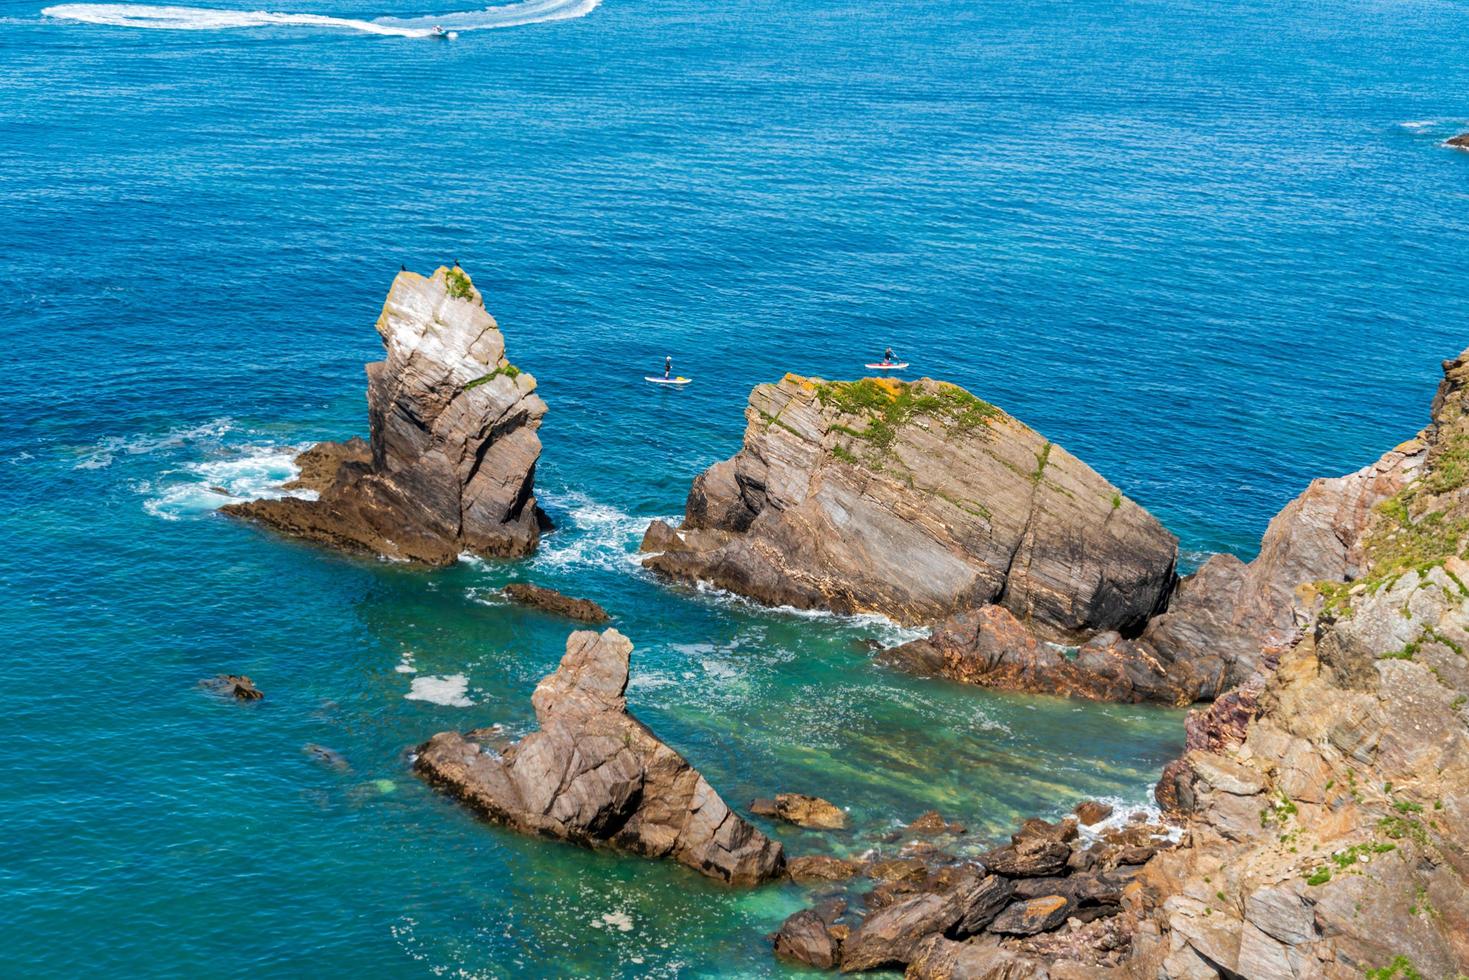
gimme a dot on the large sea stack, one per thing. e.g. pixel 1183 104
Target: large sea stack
pixel 594 775
pixel 916 500
pixel 452 460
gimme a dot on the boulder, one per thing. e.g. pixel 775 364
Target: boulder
pixel 820 867
pixel 453 453
pixel 551 601
pixel 811 812
pixel 933 822
pixel 915 500
pixel 889 936
pixel 1032 915
pixel 806 938
pixel 593 775
pixel 1092 812
pixel 235 686
pixel 1459 142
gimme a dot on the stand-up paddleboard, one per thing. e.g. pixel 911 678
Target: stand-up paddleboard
pixel 887 365
pixel 669 381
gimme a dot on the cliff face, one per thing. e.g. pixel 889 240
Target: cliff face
pixel 1327 801
pixel 916 501
pixel 593 775
pixel 453 448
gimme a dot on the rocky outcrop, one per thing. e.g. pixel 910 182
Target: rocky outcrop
pixel 916 501
pixel 1327 800
pixel 1460 142
pixel 593 775
pixel 811 812
pixel 989 647
pixel 1223 624
pixel 453 453
pixel 551 601
pixel 943 915
pixel 235 686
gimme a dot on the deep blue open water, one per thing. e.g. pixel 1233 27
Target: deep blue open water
pixel 1215 249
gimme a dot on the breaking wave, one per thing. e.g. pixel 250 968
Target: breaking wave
pixel 148 16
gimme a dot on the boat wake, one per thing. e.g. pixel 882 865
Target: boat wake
pixel 214 19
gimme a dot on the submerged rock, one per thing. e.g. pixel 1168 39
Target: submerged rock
pixel 452 460
pixel 551 601
pixel 233 685
pixel 915 501
pixel 326 756
pixel 593 775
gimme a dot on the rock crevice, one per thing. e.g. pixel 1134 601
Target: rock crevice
pixel 450 466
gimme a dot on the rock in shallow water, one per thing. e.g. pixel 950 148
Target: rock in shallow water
pixel 916 501
pixel 551 601
pixel 811 812
pixel 454 444
pixel 237 686
pixel 593 775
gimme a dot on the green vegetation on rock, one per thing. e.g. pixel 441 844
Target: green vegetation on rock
pixel 507 369
pixel 884 405
pixel 1401 966
pixel 457 282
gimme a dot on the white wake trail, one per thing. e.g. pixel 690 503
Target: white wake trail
pixel 152 17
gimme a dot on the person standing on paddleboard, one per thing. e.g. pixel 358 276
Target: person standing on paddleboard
pixel 667 366
pixel 887 356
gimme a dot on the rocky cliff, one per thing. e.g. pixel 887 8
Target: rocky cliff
pixel 454 447
pixel 595 776
pixel 916 501
pixel 1327 801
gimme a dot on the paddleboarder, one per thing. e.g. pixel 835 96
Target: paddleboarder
pixel 668 366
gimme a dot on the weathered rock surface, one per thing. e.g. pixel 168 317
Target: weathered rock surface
pixel 807 937
pixel 454 447
pixel 989 647
pixel 1460 142
pixel 551 601
pixel 593 775
pixel 916 501
pixel 804 811
pixel 233 685
pixel 1327 800
pixel 820 867
pixel 1091 812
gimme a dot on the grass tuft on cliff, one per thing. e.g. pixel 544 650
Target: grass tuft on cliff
pixel 507 369
pixel 884 405
pixel 458 284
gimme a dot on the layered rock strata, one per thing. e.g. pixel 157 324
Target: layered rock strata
pixel 594 775
pixel 916 501
pixel 451 463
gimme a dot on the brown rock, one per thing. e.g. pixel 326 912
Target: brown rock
pixel 233 685
pixel 593 775
pixel 1030 859
pixel 454 443
pixel 1092 812
pixel 897 869
pixel 1460 142
pixel 918 501
pixel 551 601
pixel 1033 915
pixel 820 867
pixel 933 822
pixel 889 936
pixel 811 812
pixel 989 647
pixel 805 937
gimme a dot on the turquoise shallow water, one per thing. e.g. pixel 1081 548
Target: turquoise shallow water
pixel 1214 249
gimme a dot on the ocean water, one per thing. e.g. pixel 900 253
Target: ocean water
pixel 1215 249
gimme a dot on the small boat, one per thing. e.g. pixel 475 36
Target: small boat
pixel 887 365
pixel 678 381
pixel 443 35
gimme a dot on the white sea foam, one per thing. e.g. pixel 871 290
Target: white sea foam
pixel 151 17
pixel 101 454
pixel 886 630
pixel 450 690
pixel 198 488
pixel 591 533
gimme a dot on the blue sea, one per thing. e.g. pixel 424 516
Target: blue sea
pixel 1215 249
